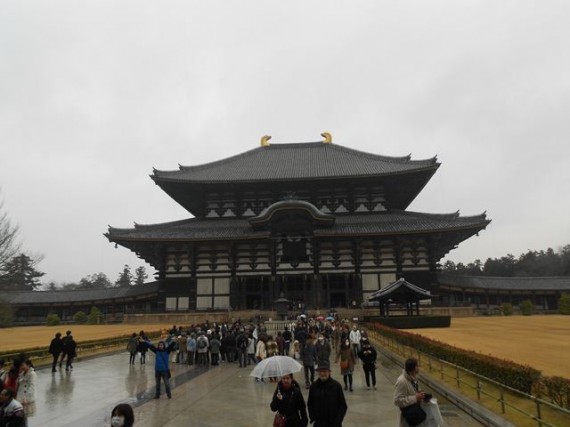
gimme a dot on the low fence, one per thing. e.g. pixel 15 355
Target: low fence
pixel 40 355
pixel 520 408
pixel 360 314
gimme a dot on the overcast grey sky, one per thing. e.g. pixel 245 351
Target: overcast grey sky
pixel 94 94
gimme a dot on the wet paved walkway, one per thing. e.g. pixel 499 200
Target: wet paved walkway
pixel 223 395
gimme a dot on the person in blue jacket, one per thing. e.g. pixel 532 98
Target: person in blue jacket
pixel 161 368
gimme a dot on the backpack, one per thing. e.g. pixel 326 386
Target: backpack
pixel 243 342
pixel 201 343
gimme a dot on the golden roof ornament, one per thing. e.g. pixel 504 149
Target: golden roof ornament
pixel 265 140
pixel 328 138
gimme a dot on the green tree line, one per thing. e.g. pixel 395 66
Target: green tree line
pixel 100 281
pixel 531 264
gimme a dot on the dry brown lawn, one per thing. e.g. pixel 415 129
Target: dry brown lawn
pixel 35 336
pixel 542 342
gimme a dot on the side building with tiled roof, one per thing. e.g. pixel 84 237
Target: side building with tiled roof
pixel 324 224
pixel 34 306
pixel 487 292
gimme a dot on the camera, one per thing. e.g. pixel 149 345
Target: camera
pixel 427 397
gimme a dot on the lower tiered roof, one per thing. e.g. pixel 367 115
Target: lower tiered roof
pixel 451 229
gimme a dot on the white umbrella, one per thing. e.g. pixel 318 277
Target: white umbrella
pixel 275 366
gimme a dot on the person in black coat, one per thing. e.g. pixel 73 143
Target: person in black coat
pixel 288 401
pixel 70 350
pixel 368 356
pixel 64 352
pixel 141 347
pixel 326 403
pixel 55 349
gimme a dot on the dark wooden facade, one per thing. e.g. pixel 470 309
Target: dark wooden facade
pixel 324 224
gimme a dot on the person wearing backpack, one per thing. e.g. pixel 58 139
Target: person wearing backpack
pixel 202 349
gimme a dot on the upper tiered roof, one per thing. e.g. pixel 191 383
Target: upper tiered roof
pixel 294 166
pixel 298 161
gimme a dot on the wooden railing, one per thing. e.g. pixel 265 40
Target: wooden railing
pixel 520 408
pixel 41 357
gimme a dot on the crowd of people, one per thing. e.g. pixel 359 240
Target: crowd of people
pixel 17 391
pixel 310 341
pixel 315 341
pixel 18 382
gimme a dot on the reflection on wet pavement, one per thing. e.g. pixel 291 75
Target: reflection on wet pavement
pixel 224 395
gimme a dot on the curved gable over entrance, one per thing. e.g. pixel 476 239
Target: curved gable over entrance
pixel 297 217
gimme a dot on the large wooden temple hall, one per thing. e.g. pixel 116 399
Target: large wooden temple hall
pixel 324 224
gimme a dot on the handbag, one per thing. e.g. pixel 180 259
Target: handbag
pixel 279 420
pixel 414 414
pixel 344 364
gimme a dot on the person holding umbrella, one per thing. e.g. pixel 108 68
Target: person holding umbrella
pixel 289 403
pixel 275 366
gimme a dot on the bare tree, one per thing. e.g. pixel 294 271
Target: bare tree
pixel 9 245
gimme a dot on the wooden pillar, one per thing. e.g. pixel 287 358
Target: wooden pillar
pixel 347 291
pixel 317 290
pixel 306 296
pixel 273 295
pixel 273 257
pixel 398 255
pixel 327 290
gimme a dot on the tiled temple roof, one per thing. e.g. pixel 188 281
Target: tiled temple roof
pixel 79 296
pixel 381 223
pixel 505 283
pixel 400 288
pixel 298 161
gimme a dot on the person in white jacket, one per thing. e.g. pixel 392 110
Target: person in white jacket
pixel 355 338
pixel 27 382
